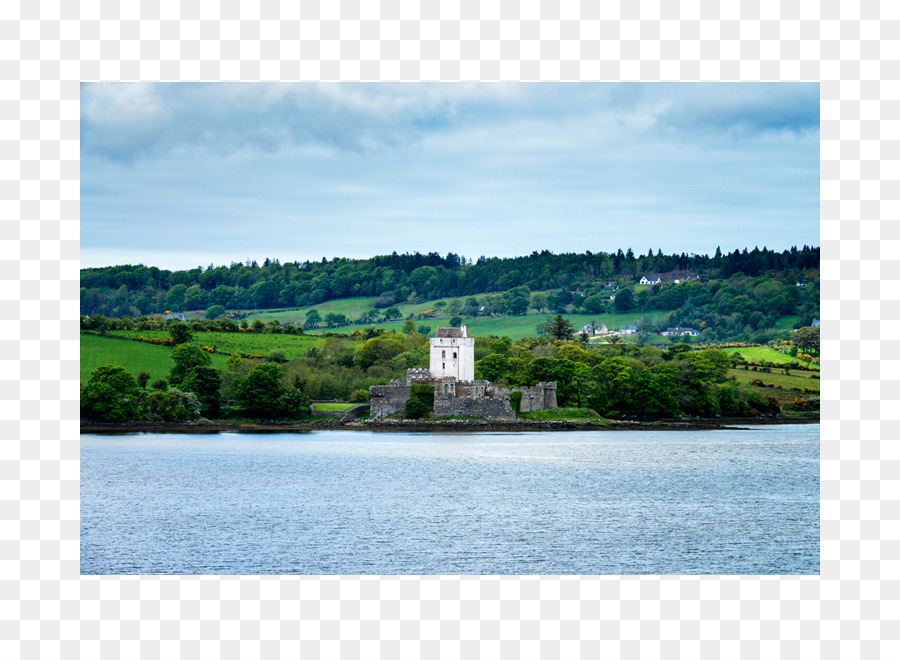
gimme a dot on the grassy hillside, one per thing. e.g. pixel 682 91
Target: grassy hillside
pixel 764 354
pixel 294 346
pixel 512 326
pixel 797 380
pixel 134 356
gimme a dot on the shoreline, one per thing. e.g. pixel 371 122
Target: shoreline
pixel 463 426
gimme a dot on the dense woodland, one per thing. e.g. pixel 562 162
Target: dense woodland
pixel 576 282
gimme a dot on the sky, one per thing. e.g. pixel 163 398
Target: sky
pixel 180 175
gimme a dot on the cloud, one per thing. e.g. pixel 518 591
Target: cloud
pixel 741 108
pixel 359 169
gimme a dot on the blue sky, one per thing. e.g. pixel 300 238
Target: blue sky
pixel 179 175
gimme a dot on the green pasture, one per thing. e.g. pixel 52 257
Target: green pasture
pixel 570 414
pixel 351 307
pixel 764 354
pixel 797 380
pixel 132 355
pixel 254 343
pixel 785 323
pixel 334 406
pixel 515 327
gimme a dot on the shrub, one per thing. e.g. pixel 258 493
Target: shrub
pixel 171 406
pixel 359 396
pixel 420 402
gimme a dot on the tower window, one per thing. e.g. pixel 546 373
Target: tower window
pixel 443 354
pixel 454 354
pixel 443 365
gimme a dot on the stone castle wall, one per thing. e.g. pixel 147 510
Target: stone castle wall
pixel 453 398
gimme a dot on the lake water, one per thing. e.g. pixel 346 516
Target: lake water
pixel 361 502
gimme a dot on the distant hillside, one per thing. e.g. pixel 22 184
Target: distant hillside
pixel 568 280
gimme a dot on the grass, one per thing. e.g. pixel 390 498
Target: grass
pixel 765 354
pixel 334 406
pixel 514 327
pixel 787 382
pixel 574 414
pixel 785 323
pixel 294 346
pixel 133 356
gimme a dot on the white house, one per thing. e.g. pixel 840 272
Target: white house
pixel 627 329
pixel 650 280
pixel 452 354
pixel 679 332
pixel 816 323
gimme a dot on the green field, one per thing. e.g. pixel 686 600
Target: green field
pixel 764 354
pixel 255 343
pixel 134 356
pixel 351 307
pixel 798 381
pixel 334 406
pixel 570 414
pixel 785 323
pixel 514 327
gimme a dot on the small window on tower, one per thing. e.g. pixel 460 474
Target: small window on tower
pixel 454 354
pixel 443 365
pixel 443 354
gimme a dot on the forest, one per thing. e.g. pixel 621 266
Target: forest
pixel 120 291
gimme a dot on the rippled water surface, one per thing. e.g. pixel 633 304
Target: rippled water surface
pixel 359 502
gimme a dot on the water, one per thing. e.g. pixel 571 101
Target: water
pixel 360 502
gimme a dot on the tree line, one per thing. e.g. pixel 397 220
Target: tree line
pixel 133 290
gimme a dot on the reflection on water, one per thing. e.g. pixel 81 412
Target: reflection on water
pixel 357 502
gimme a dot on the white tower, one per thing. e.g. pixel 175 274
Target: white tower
pixel 453 354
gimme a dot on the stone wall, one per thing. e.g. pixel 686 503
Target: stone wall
pixel 387 399
pixel 452 398
pixel 539 397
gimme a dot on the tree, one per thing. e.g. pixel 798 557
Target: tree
pixel 160 385
pixel 205 383
pixel 111 395
pixel 392 313
pixel 409 327
pixel 615 341
pixel 538 301
pixel 806 339
pixel 180 332
pixel 215 312
pixel 313 319
pixel 258 392
pixel 560 328
pixel 624 301
pixel 420 401
pixel 186 357
pixel 491 367
pixel 143 378
pixel 173 405
pixel 594 304
pixel 518 305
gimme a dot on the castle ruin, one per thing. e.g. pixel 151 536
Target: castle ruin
pixel 456 392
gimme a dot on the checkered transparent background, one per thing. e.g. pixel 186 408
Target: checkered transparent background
pixel 47 610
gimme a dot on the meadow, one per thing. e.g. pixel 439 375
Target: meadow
pixel 797 380
pixel 514 327
pixel 765 354
pixel 253 343
pixel 132 355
